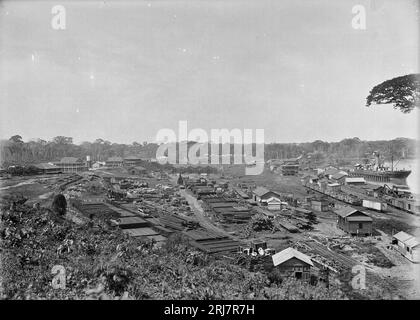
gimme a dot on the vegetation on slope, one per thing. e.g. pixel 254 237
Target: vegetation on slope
pixel 107 264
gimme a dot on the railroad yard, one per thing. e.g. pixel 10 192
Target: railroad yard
pixel 221 214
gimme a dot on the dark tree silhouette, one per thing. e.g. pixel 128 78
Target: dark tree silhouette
pixel 403 92
pixel 59 205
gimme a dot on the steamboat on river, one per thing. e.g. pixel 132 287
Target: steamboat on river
pixel 376 171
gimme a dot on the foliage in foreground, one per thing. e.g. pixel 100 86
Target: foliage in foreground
pixel 107 264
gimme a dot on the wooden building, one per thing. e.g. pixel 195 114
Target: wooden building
pixel 353 221
pixel 292 263
pixel 261 194
pixel 407 245
pixel 131 161
pixel 114 162
pixel 71 164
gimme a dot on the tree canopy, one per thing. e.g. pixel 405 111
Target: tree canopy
pixel 403 92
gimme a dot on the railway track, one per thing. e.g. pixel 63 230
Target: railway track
pixel 332 255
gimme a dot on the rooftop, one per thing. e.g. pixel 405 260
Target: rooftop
pixel 345 211
pixel 288 254
pixel 402 236
pixel 339 175
pixel 260 191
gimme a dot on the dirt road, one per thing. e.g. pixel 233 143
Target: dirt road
pixel 199 214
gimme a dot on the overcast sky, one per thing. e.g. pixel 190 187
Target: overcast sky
pixel 123 70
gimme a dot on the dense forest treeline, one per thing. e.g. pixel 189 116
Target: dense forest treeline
pixel 16 151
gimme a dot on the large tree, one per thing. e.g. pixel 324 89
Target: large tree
pixel 403 92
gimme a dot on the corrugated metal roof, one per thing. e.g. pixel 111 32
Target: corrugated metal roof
pixel 288 254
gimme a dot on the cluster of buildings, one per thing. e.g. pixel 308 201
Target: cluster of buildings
pixel 286 167
pixel 74 165
pixel 332 178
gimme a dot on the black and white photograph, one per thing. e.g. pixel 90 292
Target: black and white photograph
pixel 198 150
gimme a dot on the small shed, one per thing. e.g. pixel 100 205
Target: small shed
pixel 407 245
pixel 353 221
pixel 293 263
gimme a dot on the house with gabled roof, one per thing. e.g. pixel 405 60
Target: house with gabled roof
pixel 293 263
pixel 114 162
pixel 353 221
pixel 71 164
pixel 261 194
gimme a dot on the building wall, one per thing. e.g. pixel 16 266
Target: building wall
pixel 72 167
pixel 273 206
pixel 291 266
pixel 132 162
pixel 355 228
pixel 113 164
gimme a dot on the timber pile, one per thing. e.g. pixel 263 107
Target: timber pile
pixel 99 210
pixel 177 223
pixel 217 245
pixel 227 210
